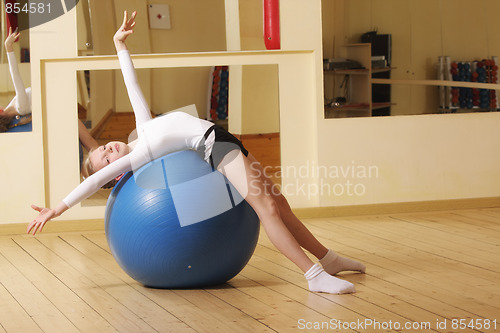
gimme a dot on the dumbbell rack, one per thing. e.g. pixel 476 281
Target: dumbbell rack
pixel 466 99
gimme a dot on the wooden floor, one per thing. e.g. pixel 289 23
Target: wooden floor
pixel 422 269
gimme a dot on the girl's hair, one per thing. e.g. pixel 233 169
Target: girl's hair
pixel 5 122
pixel 88 170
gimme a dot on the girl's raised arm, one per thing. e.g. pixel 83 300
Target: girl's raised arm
pixel 139 104
pixel 23 104
pixel 11 38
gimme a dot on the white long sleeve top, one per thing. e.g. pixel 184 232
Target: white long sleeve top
pixel 157 137
pixel 22 101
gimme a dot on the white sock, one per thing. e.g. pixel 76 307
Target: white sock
pixel 321 281
pixel 333 264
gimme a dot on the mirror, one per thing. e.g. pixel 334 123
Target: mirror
pixel 413 43
pixel 15 108
pixel 105 110
pixel 193 26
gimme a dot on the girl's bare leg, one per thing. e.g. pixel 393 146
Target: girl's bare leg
pixel 332 263
pixel 246 178
pixel 303 236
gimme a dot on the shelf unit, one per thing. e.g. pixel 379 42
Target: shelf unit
pixel 359 98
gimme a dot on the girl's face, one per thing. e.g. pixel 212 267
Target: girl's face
pixel 107 154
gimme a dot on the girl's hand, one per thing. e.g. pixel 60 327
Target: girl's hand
pixel 11 38
pixel 124 31
pixel 45 215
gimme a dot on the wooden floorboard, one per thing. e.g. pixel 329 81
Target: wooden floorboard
pixel 422 269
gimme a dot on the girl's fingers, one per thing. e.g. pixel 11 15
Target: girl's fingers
pixel 124 18
pixel 131 22
pixel 38 228
pixel 35 226
pixel 30 227
pixel 132 17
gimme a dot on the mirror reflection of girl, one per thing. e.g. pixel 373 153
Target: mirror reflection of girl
pixel 180 131
pixel 21 104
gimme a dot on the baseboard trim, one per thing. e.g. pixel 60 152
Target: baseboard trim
pixel 269 136
pixel 397 208
pixel 302 213
pixel 55 227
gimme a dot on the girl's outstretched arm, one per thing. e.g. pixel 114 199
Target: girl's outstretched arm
pixel 85 189
pixel 91 184
pixel 46 214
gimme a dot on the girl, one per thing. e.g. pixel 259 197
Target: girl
pixel 21 104
pixel 180 131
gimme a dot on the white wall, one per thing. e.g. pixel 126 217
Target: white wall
pixel 412 158
pixel 24 155
pixel 432 157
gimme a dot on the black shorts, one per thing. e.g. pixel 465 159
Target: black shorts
pixel 224 143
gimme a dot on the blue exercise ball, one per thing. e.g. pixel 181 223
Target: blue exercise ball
pixel 176 223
